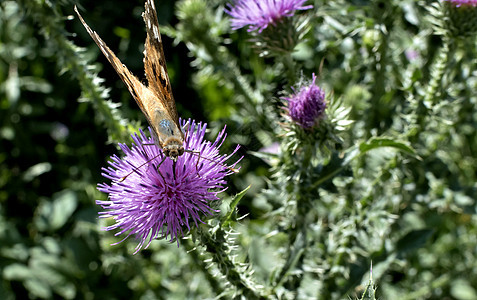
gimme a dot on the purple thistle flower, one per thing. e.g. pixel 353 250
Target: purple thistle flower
pixel 155 202
pixel 459 3
pixel 308 105
pixel 259 14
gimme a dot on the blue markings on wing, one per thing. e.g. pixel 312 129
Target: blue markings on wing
pixel 165 126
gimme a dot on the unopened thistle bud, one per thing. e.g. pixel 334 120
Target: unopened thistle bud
pixel 314 120
pixel 307 106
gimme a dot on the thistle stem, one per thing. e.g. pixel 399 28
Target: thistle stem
pixel 438 73
pixel 290 68
pixel 194 254
pixel 298 236
pixel 433 90
pixel 218 246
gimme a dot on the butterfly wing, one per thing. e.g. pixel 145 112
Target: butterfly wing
pixel 135 87
pixel 155 62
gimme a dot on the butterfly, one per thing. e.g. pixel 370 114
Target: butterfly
pixel 155 100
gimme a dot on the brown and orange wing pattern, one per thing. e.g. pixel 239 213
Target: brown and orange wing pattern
pixel 155 62
pixel 135 87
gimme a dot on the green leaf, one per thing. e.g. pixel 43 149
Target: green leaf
pixel 339 161
pixel 36 170
pixel 38 288
pixel 53 215
pixel 226 219
pixel 370 290
pixel 336 164
pixel 462 289
pixel 413 240
pixel 16 272
pixel 375 143
pixel 270 158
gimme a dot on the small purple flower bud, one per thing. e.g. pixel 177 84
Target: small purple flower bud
pixel 308 105
pixel 152 197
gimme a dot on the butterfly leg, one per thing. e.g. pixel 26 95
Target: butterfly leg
pixel 135 169
pixel 159 166
pixel 197 163
pixel 174 169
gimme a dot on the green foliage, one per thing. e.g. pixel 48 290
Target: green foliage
pixel 388 177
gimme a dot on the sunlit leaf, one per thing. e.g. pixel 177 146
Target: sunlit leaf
pixel 52 215
pixel 236 199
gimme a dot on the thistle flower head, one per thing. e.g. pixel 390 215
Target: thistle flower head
pixel 160 198
pixel 258 15
pixel 307 106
